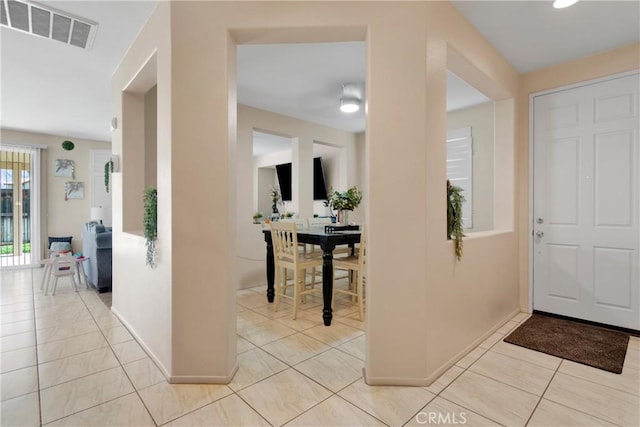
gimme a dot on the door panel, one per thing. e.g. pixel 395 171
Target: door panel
pixel 612 273
pixel 563 168
pixel 563 272
pixel 613 179
pixel 586 216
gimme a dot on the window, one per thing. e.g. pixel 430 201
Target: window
pixel 460 168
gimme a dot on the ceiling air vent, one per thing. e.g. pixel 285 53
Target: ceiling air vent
pixel 44 21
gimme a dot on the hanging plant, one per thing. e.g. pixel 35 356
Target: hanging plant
pixel 151 224
pixel 108 170
pixel 454 217
pixel 68 145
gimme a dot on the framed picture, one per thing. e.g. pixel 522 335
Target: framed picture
pixel 73 190
pixel 64 168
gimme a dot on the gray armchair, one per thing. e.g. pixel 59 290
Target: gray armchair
pixel 96 244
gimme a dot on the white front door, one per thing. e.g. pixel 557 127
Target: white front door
pixel 585 202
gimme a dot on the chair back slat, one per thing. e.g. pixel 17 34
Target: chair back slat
pixel 362 252
pixel 285 242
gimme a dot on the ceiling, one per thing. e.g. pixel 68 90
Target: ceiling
pixel 302 80
pixel 53 88
pixel 533 35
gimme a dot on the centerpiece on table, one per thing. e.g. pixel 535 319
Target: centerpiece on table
pixel 343 202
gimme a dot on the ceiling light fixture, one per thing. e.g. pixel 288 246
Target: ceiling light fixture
pixel 351 97
pixel 349 105
pixel 561 4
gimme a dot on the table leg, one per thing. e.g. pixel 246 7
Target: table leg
pixel 270 271
pixel 83 276
pixel 45 278
pixel 327 286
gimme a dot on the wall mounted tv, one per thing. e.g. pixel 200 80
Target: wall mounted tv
pixel 319 185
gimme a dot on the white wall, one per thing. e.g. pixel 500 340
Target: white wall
pixel 480 119
pixel 142 297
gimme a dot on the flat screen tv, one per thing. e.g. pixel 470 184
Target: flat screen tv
pixel 284 179
pixel 319 185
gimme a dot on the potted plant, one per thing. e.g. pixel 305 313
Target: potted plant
pixel 344 202
pixel 288 214
pixel 257 217
pixel 275 199
pixel 454 217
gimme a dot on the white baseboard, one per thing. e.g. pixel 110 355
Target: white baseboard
pixel 175 379
pixel 425 382
pixel 395 381
pixel 444 368
pixel 178 379
pixel 146 349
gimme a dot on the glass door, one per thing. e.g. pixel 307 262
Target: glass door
pixel 15 229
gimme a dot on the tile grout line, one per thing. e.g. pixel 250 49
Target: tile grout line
pixel 595 382
pixel 288 366
pixel 543 393
pixel 35 339
pixel 569 407
pixel 88 375
pixel 293 367
pixel 465 369
pixel 121 365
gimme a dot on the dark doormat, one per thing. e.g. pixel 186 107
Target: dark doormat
pixel 590 345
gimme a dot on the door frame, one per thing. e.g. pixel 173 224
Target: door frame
pixel 37 177
pixel 532 97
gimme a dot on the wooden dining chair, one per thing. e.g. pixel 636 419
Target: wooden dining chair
pixel 287 256
pixel 306 250
pixel 355 265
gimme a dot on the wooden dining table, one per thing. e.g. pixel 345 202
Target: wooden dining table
pixel 327 240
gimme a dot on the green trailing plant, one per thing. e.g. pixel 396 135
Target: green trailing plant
pixel 151 223
pixel 108 170
pixel 455 199
pixel 346 200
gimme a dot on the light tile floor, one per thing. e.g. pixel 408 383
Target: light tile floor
pixel 67 361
